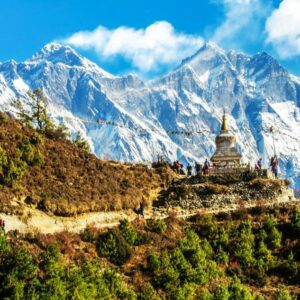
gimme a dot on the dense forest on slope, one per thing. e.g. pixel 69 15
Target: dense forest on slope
pixel 49 172
pixel 248 254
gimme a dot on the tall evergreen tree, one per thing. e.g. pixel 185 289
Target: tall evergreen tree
pixel 34 111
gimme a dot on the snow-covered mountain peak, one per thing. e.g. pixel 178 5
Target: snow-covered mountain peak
pixel 56 53
pixel 9 68
pixel 263 59
pixel 212 46
pixel 207 57
pixel 9 64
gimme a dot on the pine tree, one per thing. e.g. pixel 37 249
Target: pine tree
pixel 34 112
pixel 81 143
pixel 39 110
pixel 22 113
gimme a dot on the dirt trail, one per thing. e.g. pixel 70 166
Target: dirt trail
pixel 35 220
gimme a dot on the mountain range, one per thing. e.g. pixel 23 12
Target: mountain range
pixel 140 120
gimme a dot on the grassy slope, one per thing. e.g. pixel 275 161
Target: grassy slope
pixel 71 181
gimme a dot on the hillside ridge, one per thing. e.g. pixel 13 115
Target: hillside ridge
pixel 53 175
pixel 256 91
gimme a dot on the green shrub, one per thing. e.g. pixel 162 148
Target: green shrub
pixel 169 279
pixel 204 295
pixel 238 291
pixel 179 262
pixel 17 270
pixel 154 262
pixel 244 245
pixel 295 222
pixel 193 250
pixel 3 160
pixel 29 153
pixel 221 293
pixel 131 236
pixel 190 242
pixel 117 287
pixel 36 139
pixel 207 248
pixel 54 285
pixel 273 239
pixel 221 256
pixel 22 264
pixel 291 269
pixel 196 257
pixel 164 272
pixel 159 226
pixel 283 294
pixel 208 228
pixel 14 170
pixel 89 234
pixel 185 292
pixel 89 281
pixel 4 246
pixel 78 286
pixel 265 259
pixel 11 169
pixel 12 288
pixel 221 238
pixel 148 293
pixel 113 246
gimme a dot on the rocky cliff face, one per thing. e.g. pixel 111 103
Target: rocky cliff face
pixel 255 90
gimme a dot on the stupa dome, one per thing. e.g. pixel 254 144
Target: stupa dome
pixel 226 150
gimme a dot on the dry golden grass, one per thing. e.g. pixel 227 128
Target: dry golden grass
pixel 72 181
pixel 261 183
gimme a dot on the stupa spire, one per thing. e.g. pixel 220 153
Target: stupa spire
pixel 224 127
pixel 226 150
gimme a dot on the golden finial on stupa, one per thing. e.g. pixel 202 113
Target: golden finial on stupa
pixel 224 122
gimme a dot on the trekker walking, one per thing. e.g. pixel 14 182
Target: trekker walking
pixel 181 170
pixel 206 167
pixel 141 209
pixel 258 167
pixel 197 168
pixel 259 163
pixel 272 160
pixel 177 166
pixel 275 167
pixel 189 170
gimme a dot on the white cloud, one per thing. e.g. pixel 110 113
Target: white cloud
pixel 243 23
pixel 283 28
pixel 149 49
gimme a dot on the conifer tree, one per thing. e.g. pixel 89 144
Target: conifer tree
pixel 81 143
pixel 34 112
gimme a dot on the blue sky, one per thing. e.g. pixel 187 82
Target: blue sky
pixel 150 37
